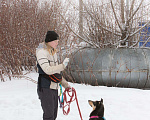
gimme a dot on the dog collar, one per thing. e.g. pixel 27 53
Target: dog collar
pixel 94 117
pixel 97 117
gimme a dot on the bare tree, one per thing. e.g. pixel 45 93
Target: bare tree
pixel 113 23
pixel 129 19
pixel 23 25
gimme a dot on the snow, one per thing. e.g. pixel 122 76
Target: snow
pixel 19 101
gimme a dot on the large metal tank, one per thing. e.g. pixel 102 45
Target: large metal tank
pixel 120 67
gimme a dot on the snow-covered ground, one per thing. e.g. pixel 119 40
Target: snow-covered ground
pixel 19 101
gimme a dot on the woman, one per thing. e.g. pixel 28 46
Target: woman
pixel 49 75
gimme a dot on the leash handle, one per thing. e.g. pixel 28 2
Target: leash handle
pixel 61 93
pixel 73 91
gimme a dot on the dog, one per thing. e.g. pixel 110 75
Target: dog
pixel 98 110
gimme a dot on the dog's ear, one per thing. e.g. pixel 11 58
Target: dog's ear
pixel 90 102
pixel 101 100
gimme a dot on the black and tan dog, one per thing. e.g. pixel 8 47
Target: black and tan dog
pixel 98 110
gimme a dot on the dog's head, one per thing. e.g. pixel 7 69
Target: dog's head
pixel 98 107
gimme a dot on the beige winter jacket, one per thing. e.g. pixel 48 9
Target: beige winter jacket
pixel 49 65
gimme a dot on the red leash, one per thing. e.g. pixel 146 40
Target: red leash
pixel 71 94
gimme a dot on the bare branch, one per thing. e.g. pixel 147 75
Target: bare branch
pixel 100 25
pixel 140 29
pixel 131 9
pixel 140 16
pixel 135 43
pixel 135 12
pixel 115 16
pixel 119 41
pixel 146 42
pixel 89 42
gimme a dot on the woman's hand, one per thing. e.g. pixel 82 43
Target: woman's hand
pixel 69 86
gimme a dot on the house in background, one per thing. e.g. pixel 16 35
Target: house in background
pixel 144 35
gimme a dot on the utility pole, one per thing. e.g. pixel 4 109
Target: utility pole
pixel 127 17
pixel 80 19
pixel 127 4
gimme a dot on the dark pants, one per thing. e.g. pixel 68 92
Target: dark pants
pixel 49 103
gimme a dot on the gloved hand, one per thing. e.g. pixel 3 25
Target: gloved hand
pixel 65 62
pixel 69 86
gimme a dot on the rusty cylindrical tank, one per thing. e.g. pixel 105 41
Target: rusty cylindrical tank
pixel 120 67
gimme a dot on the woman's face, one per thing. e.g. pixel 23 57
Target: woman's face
pixel 53 44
